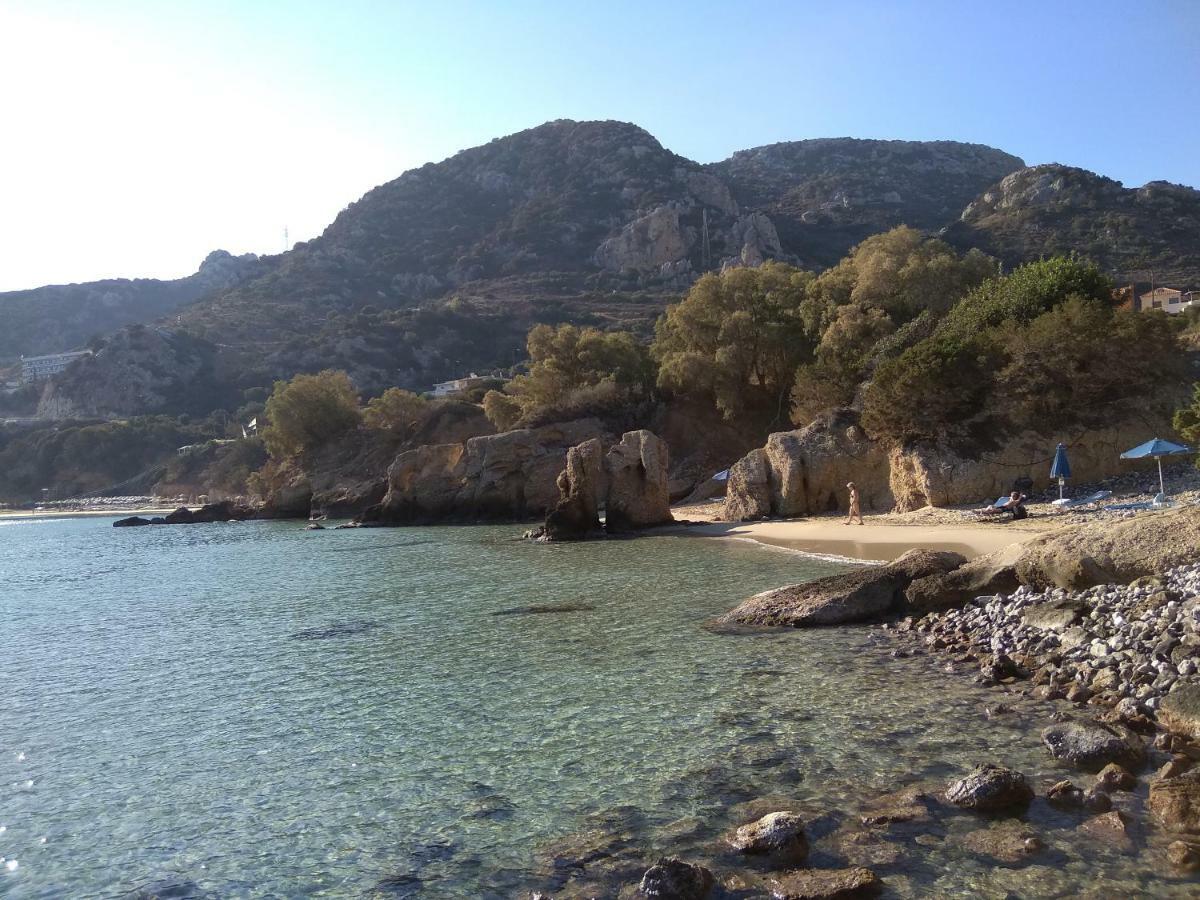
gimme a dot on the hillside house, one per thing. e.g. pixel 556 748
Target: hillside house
pixel 1170 300
pixel 458 385
pixel 39 368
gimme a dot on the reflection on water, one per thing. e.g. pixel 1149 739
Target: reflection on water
pixel 258 710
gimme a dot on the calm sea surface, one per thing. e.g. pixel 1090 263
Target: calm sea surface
pixel 255 710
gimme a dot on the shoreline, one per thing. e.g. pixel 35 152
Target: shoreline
pixel 84 513
pixel 873 543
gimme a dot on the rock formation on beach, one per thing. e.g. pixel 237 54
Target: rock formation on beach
pixel 630 482
pixel 511 476
pixel 805 471
pixel 863 595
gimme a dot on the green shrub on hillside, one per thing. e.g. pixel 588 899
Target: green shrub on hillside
pixel 308 411
pixel 395 410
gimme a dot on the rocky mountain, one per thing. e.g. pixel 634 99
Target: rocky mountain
pixel 1136 234
pixel 824 196
pixel 63 317
pixel 444 269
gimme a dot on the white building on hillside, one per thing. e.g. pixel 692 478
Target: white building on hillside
pixel 457 386
pixel 1170 300
pixel 39 368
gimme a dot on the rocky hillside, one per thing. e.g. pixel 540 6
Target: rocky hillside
pixel 444 269
pixel 63 317
pixel 1136 234
pixel 824 196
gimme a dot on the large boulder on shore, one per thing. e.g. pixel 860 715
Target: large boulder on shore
pixel 1092 745
pixel 858 596
pixel 510 476
pixel 1180 710
pixel 1175 802
pixel 577 514
pixel 1074 557
pixel 804 472
pixel 636 470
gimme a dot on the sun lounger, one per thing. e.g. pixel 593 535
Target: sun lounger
pixel 1159 502
pixel 1082 501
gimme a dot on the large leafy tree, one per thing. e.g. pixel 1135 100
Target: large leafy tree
pixel 736 338
pixel 571 367
pixel 309 411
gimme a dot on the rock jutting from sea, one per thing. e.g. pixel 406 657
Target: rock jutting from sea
pixel 630 482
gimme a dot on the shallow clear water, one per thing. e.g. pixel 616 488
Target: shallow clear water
pixel 256 710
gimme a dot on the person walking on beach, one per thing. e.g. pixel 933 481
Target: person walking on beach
pixel 855 509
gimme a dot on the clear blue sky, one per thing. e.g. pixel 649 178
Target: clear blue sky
pixel 142 133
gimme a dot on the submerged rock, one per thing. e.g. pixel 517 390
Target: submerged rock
pixel 1092 745
pixel 674 879
pixel 825 884
pixel 779 836
pixel 337 630
pixel 130 522
pixel 990 788
pixel 1005 842
pixel 857 596
pixel 544 608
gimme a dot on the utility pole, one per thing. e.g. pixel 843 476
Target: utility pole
pixel 286 245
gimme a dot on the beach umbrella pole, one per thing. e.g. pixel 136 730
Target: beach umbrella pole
pixel 1161 487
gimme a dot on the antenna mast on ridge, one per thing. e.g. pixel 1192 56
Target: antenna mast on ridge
pixel 286 245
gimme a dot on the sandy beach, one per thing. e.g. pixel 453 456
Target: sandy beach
pixel 881 539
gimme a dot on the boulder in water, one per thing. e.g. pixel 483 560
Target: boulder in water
pixel 779 836
pixel 130 522
pixel 638 495
pixel 577 514
pixel 1092 745
pixel 674 879
pixel 990 788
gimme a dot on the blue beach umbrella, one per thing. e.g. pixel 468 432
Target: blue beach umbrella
pixel 1156 450
pixel 1061 467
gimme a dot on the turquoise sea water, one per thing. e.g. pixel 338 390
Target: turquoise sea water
pixel 255 710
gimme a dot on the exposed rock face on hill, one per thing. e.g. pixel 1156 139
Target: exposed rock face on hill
pixel 139 370
pixel 1133 233
pixel 502 477
pixel 826 195
pixel 63 317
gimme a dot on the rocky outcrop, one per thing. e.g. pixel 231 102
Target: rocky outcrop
pixel 923 475
pixel 1074 557
pixel 577 514
pixel 510 476
pixel 647 243
pixel 990 788
pixel 804 472
pixel 857 596
pixel 225 511
pixel 637 495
